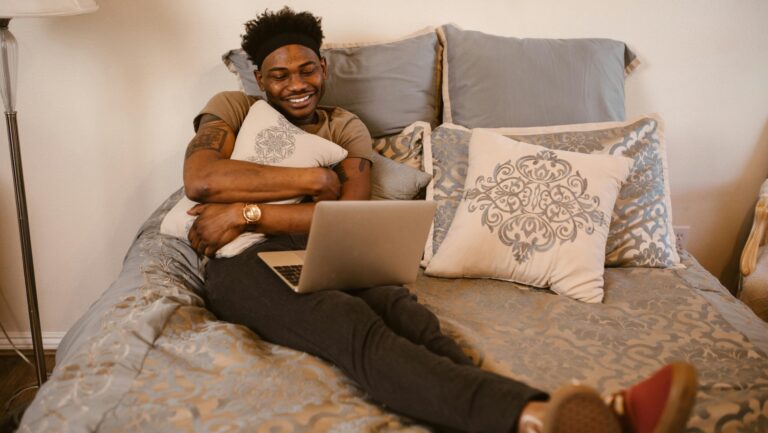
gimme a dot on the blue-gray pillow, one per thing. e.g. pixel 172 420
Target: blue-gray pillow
pixel 392 180
pixel 641 232
pixel 388 85
pixel 492 81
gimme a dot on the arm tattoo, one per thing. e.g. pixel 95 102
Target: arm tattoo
pixel 341 173
pixel 211 138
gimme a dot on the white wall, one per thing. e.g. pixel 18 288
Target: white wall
pixel 106 100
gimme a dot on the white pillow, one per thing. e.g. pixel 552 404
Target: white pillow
pixel 534 216
pixel 265 137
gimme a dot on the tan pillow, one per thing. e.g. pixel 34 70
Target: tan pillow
pixel 407 147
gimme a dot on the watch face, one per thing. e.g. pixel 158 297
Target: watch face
pixel 252 213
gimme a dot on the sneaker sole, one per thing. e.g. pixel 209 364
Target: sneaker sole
pixel 682 397
pixel 579 409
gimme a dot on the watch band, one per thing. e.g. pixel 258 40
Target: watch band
pixel 251 213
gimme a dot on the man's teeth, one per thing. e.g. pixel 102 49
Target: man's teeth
pixel 296 101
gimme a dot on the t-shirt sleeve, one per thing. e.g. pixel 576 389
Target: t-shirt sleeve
pixel 229 106
pixel 354 137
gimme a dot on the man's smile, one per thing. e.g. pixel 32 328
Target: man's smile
pixel 301 101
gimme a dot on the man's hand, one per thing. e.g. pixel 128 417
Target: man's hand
pixel 216 225
pixel 329 185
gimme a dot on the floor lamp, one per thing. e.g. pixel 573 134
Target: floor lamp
pixel 8 68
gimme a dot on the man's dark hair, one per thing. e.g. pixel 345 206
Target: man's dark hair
pixel 271 30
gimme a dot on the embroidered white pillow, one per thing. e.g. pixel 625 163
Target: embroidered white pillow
pixel 265 137
pixel 534 216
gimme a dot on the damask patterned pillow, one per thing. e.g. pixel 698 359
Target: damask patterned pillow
pixel 397 172
pixel 532 215
pixel 641 228
pixel 446 157
pixel 407 147
pixel 266 137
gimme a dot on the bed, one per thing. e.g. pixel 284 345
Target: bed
pixel 148 356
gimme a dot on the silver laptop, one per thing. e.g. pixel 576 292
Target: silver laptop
pixel 357 244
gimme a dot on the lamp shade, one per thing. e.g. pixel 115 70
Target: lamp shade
pixel 44 8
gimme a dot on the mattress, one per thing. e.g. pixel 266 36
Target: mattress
pixel 149 357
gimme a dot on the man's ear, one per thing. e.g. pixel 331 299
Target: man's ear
pixel 258 76
pixel 324 67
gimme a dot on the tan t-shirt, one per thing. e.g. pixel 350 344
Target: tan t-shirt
pixel 335 124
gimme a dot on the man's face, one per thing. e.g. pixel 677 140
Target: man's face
pixel 292 77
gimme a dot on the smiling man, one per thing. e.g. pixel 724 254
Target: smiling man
pixel 381 337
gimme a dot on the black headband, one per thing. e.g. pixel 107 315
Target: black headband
pixel 281 40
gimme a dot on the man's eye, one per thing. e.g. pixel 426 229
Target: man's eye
pixel 279 77
pixel 309 71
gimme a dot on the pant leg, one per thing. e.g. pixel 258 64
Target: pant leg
pixel 402 313
pixel 345 331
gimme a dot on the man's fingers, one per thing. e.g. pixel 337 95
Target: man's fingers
pixel 201 247
pixel 196 209
pixel 210 229
pixel 195 240
pixel 199 243
pixel 192 236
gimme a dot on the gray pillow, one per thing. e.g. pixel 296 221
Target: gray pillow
pixel 492 81
pixel 391 180
pixel 388 85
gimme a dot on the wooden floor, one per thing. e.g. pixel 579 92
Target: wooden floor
pixel 16 375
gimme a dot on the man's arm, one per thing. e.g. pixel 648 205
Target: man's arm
pixel 211 177
pixel 355 177
pixel 219 224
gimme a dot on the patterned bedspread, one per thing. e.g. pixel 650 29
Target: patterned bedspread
pixel 148 356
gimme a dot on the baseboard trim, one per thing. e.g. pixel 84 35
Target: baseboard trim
pixel 23 340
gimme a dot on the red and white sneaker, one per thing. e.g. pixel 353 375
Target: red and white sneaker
pixel 660 404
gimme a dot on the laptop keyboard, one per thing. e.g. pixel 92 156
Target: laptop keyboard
pixel 290 273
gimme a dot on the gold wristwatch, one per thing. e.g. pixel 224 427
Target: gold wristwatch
pixel 251 213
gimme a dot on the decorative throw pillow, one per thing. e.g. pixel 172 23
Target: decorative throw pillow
pixel 391 180
pixel 491 81
pixel 446 157
pixel 641 231
pixel 406 147
pixel 266 137
pixel 397 164
pixel 389 85
pixel 534 216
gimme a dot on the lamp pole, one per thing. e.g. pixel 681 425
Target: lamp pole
pixel 7 52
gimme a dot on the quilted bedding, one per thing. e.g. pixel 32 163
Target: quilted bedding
pixel 148 357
